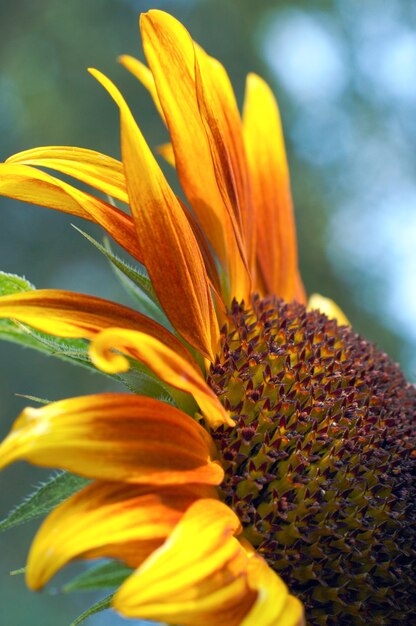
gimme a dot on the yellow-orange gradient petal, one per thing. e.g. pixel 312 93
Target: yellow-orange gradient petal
pixel 170 250
pixel 108 519
pixel 272 200
pixel 198 576
pixel 274 606
pixel 93 168
pixel 69 314
pixel 171 55
pixel 115 436
pixel 163 361
pixel 328 307
pixel 28 184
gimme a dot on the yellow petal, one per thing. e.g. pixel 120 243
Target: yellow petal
pixel 98 170
pixel 108 519
pixel 166 151
pixel 170 250
pixel 273 606
pixel 69 314
pixel 272 199
pixel 28 184
pixel 163 361
pixel 171 55
pixel 113 436
pixel 328 307
pixel 198 576
pixel 145 76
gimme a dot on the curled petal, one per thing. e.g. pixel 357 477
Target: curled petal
pixel 328 307
pixel 107 519
pixel 170 251
pixel 28 184
pixel 68 314
pixel 163 361
pixel 272 199
pixel 120 437
pixel 93 168
pixel 198 576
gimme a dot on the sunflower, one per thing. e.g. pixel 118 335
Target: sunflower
pixel 292 461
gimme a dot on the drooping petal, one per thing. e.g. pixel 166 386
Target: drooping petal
pixel 108 519
pixel 272 200
pixel 28 184
pixel 198 576
pixel 328 307
pixel 69 314
pixel 171 55
pixel 98 170
pixel 170 250
pixel 274 606
pixel 163 361
pixel 111 436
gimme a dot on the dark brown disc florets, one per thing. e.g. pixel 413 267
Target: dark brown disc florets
pixel 318 467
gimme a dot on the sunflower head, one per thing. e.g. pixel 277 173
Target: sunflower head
pixel 318 466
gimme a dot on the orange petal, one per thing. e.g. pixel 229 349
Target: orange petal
pixel 166 151
pixel 274 219
pixel 170 250
pixel 163 361
pixel 170 52
pixel 113 436
pixel 224 130
pixel 198 576
pixel 98 170
pixel 108 519
pixel 68 314
pixel 28 184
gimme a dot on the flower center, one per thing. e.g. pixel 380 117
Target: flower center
pixel 318 464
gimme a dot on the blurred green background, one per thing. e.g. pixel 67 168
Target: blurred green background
pixel 344 76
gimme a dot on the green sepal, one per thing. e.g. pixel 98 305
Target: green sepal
pixel 134 279
pixel 104 575
pixel 101 605
pixel 11 283
pixel 46 497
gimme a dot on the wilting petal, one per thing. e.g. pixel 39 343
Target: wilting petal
pixel 69 314
pixel 108 519
pixel 28 184
pixel 328 307
pixel 98 170
pixel 273 606
pixel 171 55
pixel 170 250
pixel 163 361
pixel 113 436
pixel 272 200
pixel 198 576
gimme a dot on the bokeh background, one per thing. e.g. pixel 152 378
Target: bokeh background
pixel 344 74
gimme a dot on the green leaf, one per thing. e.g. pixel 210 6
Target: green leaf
pixel 46 497
pixel 101 605
pixel 134 279
pixel 109 574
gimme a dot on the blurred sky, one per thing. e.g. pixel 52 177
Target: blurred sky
pixel 344 74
